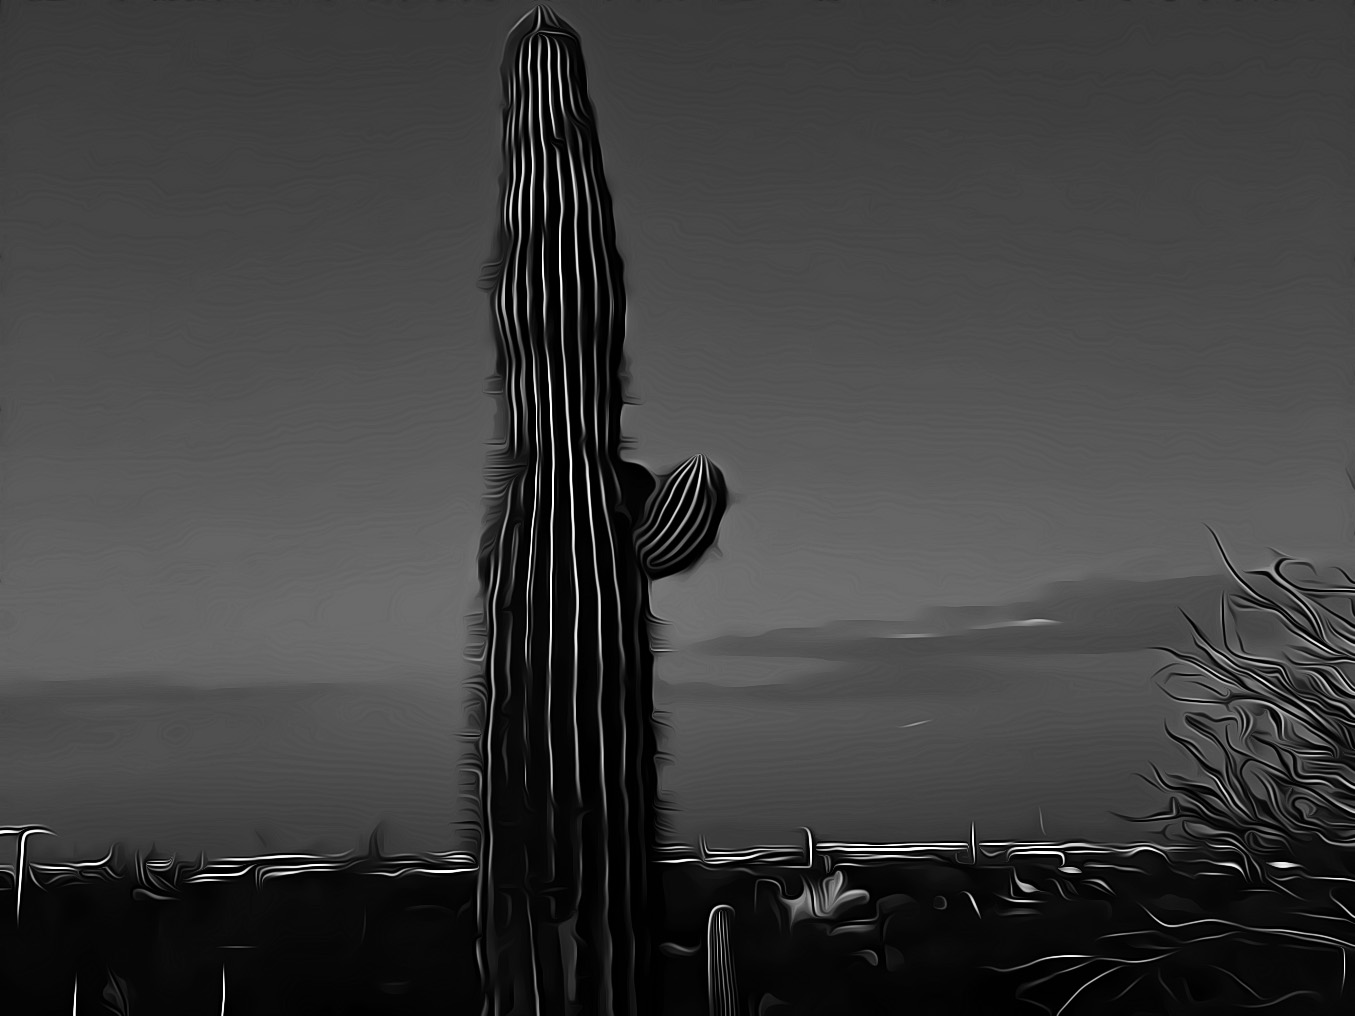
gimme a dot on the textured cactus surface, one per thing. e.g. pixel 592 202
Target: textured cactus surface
pixel 722 990
pixel 565 760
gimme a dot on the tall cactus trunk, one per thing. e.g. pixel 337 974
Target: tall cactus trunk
pixel 566 799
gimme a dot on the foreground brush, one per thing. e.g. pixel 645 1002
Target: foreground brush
pixel 566 801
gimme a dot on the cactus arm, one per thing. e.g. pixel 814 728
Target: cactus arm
pixel 681 518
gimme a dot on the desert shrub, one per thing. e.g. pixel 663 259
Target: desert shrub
pixel 1272 733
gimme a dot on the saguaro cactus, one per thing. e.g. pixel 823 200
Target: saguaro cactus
pixel 566 803
pixel 722 989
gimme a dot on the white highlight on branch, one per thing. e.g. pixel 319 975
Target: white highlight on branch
pixel 20 869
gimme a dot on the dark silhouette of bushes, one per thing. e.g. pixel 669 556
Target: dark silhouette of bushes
pixel 1273 733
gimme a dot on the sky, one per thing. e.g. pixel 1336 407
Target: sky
pixel 964 299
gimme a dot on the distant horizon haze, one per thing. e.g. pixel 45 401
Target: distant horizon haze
pixel 840 727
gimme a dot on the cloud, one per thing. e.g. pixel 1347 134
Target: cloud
pixel 970 649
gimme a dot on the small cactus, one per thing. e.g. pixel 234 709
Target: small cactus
pixel 721 984
pixel 823 899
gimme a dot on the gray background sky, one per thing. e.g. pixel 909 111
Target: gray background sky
pixel 964 298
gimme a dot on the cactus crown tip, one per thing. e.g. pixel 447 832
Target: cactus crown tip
pixel 540 17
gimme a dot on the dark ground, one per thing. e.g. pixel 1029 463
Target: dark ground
pixel 363 942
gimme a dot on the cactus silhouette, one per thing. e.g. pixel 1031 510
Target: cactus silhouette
pixel 565 801
pixel 722 989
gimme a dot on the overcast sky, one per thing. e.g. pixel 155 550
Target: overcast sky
pixel 964 298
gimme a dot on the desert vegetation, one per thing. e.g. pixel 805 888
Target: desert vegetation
pixel 1268 726
pixel 1272 733
pixel 827 927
